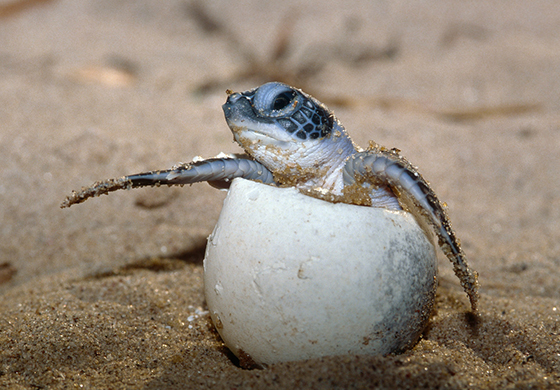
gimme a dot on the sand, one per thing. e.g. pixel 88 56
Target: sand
pixel 108 294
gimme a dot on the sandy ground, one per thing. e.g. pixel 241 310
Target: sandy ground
pixel 108 294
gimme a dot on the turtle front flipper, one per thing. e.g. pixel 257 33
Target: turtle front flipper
pixel 217 171
pixel 382 167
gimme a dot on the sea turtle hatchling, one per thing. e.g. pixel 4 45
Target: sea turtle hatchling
pixel 293 140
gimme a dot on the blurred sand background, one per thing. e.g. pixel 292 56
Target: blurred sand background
pixel 108 294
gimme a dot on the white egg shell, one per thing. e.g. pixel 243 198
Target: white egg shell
pixel 289 277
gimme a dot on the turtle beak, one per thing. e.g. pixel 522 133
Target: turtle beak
pixel 237 108
pixel 233 97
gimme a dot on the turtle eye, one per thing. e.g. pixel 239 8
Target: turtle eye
pixel 275 100
pixel 283 100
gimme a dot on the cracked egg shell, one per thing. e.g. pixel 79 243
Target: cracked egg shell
pixel 289 277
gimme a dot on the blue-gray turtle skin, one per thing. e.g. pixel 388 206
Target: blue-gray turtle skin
pixel 292 139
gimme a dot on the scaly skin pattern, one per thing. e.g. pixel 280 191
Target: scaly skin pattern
pixel 293 140
pixel 217 171
pixel 379 164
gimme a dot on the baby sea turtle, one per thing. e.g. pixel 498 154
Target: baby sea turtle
pixel 293 140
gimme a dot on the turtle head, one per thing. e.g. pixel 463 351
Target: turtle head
pixel 290 132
